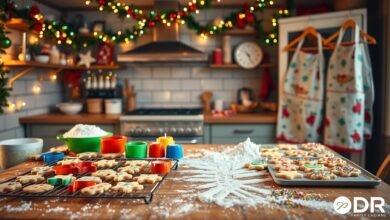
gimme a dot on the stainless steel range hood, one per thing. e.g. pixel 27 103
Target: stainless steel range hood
pixel 166 46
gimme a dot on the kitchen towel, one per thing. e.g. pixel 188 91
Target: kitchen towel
pixel 300 111
pixel 349 95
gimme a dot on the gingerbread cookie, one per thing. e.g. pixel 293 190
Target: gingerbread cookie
pixel 112 155
pixel 91 178
pixel 59 149
pixel 127 187
pixel 35 157
pixel 29 179
pixel 88 155
pixel 148 178
pixel 287 146
pixel 312 147
pixel 106 174
pixel 289 175
pixel 130 169
pixel 38 188
pixel 296 153
pixel 96 189
pixel 122 176
pixel 105 163
pixel 279 160
pixel 256 165
pixel 267 148
pixel 10 186
pixel 346 171
pixel 307 167
pixel 332 161
pixel 69 161
pixel 43 171
pixel 140 163
pixel 286 167
pixel 321 175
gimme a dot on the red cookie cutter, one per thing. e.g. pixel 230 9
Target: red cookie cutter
pixel 79 184
pixel 85 167
pixel 65 169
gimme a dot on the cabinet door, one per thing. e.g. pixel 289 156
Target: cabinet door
pixel 232 134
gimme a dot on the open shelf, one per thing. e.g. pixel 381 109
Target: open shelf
pixel 239 32
pixel 16 63
pixel 236 66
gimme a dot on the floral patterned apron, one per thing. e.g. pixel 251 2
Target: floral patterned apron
pixel 350 95
pixel 301 105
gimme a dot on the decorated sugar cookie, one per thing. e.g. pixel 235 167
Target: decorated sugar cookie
pixel 286 167
pixel 130 169
pixel 69 161
pixel 106 174
pixel 38 188
pixel 287 146
pixel 140 163
pixel 88 155
pixel 267 148
pixel 91 178
pixel 10 186
pixel 271 154
pixel 304 160
pixel 29 179
pixel 289 175
pixel 346 171
pixel 148 178
pixel 332 161
pixel 325 153
pixel 297 153
pixel 321 175
pixel 96 189
pixel 105 163
pixel 313 147
pixel 279 160
pixel 310 167
pixel 256 165
pixel 44 171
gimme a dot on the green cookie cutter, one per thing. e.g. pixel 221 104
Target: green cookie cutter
pixel 59 181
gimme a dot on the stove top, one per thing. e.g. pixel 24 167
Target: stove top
pixel 166 111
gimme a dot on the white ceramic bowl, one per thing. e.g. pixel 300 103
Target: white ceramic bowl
pixel 18 150
pixel 42 58
pixel 70 108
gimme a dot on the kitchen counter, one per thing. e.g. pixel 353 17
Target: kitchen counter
pixel 58 118
pixel 248 118
pixel 174 199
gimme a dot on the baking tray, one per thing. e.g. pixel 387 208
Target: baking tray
pixel 60 191
pixel 365 179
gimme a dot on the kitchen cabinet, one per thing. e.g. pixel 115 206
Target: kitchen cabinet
pixel 49 132
pixel 235 133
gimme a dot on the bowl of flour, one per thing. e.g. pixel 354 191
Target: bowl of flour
pixel 84 138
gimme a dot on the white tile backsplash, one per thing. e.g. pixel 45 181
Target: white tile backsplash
pixel 151 85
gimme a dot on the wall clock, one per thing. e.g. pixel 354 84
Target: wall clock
pixel 248 55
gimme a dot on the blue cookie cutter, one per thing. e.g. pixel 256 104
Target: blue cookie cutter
pixel 52 156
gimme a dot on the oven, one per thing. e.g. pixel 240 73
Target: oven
pixel 185 125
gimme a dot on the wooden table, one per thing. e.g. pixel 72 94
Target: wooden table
pixel 173 200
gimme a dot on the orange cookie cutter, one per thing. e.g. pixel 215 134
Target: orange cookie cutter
pixel 65 169
pixel 79 184
pixel 85 167
pixel 160 167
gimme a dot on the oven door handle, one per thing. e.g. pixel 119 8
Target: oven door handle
pixel 193 141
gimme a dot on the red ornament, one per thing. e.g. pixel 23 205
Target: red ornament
pixel 192 7
pixel 172 15
pixel 34 10
pixel 102 2
pixel 105 55
pixel 181 13
pixel 130 12
pixel 240 22
pixel 37 27
pixel 151 24
pixel 250 17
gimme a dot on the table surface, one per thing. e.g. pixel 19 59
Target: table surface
pixel 58 118
pixel 173 200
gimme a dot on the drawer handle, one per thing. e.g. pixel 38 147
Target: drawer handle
pixel 243 131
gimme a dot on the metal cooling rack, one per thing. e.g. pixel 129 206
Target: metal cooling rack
pixel 61 191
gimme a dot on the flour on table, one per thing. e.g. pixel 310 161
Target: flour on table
pixel 81 130
pixel 222 176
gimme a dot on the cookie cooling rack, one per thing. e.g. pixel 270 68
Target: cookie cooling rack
pixel 61 191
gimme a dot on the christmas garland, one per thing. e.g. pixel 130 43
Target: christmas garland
pixel 5 43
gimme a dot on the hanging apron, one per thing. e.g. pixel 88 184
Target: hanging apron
pixel 349 96
pixel 301 106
